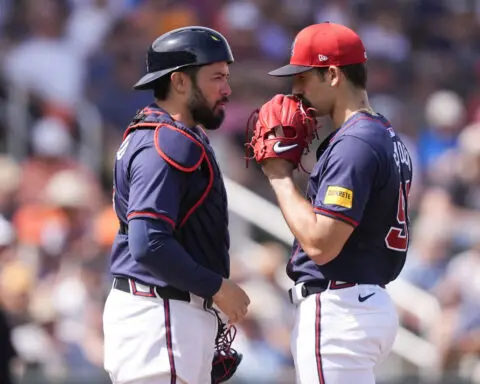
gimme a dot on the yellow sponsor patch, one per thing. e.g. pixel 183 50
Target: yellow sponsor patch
pixel 339 196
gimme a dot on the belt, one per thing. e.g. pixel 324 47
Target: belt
pixel 167 293
pixel 302 290
pixel 123 229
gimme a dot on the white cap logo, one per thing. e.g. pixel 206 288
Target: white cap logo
pixel 322 58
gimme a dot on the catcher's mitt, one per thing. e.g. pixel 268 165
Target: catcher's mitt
pixel 282 113
pixel 226 359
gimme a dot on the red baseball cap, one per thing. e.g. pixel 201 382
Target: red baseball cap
pixel 322 45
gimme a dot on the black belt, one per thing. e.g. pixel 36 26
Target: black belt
pixel 307 289
pixel 317 286
pixel 167 293
pixel 123 229
pixel 313 287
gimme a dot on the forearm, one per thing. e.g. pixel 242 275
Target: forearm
pixel 166 259
pixel 297 211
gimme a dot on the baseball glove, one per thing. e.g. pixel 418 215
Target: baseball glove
pixel 225 359
pixel 282 128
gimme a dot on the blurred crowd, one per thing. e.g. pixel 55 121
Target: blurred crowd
pixel 56 220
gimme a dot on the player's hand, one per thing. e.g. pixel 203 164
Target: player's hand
pixel 277 168
pixel 232 300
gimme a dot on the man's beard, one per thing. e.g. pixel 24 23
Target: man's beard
pixel 202 113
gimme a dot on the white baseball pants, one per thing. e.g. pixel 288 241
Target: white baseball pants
pixel 150 340
pixel 339 339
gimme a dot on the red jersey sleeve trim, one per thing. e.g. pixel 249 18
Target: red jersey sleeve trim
pixel 336 215
pixel 151 215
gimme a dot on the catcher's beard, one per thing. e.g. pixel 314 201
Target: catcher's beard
pixel 202 113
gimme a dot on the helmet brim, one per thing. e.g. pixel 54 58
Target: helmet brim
pixel 146 82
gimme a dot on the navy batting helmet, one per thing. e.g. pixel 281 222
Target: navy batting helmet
pixel 181 48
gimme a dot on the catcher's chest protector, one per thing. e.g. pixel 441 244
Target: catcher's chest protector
pixel 202 224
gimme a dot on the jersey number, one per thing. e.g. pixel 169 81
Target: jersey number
pixel 397 236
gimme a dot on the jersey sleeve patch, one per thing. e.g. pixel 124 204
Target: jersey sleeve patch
pixel 178 148
pixel 340 196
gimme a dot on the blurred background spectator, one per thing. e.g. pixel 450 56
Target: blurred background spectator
pixel 66 72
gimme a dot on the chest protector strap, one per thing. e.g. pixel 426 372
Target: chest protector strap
pixel 173 142
pixel 177 147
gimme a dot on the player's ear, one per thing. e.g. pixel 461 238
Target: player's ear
pixel 333 75
pixel 180 82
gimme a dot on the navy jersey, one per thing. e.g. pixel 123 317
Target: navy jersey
pixel 164 171
pixel 362 177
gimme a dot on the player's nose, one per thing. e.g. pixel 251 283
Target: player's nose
pixel 226 90
pixel 297 91
pixel 297 88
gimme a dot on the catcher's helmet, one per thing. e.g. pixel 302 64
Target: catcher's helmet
pixel 181 48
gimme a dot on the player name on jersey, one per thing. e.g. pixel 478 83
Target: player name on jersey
pixel 400 155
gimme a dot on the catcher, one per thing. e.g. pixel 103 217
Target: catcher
pixel 170 259
pixel 351 228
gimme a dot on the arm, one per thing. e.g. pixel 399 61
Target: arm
pixel 152 245
pixel 155 193
pixel 343 191
pixel 321 237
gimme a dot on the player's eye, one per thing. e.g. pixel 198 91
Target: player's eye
pixel 221 76
pixel 299 78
